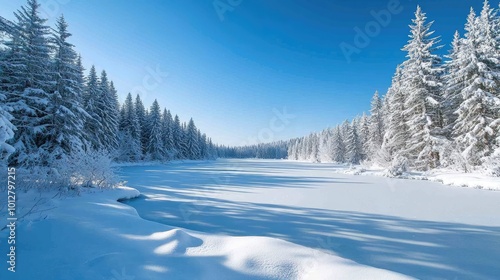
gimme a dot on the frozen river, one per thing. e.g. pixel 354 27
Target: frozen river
pixel 417 228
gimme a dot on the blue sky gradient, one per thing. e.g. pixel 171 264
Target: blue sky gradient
pixel 230 74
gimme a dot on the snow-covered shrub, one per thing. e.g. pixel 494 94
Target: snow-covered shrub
pixel 83 169
pixel 90 169
pixel 452 158
pixel 398 167
pixel 354 170
pixel 492 164
pixel 382 157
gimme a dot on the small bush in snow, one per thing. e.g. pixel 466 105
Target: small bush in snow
pixel 399 166
pixel 84 169
pixel 90 169
pixel 492 164
pixel 454 159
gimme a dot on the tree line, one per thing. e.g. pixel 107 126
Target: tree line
pixel 437 112
pixel 50 110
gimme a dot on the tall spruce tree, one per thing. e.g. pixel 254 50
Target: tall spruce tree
pixel 108 113
pixel 140 111
pixel 67 113
pixel 479 89
pixel 192 141
pixel 396 132
pixel 353 145
pixel 93 126
pixel 30 85
pixel 376 127
pixel 155 148
pixel 129 132
pixel 422 84
pixel 167 133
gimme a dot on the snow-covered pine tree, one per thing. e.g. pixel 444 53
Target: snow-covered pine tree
pixel 396 132
pixel 453 86
pixel 184 148
pixel 339 150
pixel 108 114
pixel 200 144
pixel 376 125
pixel 422 73
pixel 204 152
pixel 178 136
pixel 129 132
pixel 292 149
pixel 30 85
pixel 155 148
pixel 93 126
pixel 364 136
pixel 325 145
pixel 353 145
pixel 490 19
pixel 81 77
pixel 140 111
pixel 167 131
pixel 212 151
pixel 67 113
pixel 313 147
pixel 479 61
pixel 192 142
pixel 114 96
pixel 301 148
pixel 6 127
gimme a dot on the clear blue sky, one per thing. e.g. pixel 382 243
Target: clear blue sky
pixel 229 74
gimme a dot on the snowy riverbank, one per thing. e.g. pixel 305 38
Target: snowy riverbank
pixel 474 179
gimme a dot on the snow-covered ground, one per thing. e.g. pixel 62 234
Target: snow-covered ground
pixel 256 219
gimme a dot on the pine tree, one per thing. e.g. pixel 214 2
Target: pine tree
pixel 313 145
pixel 130 132
pixel 114 96
pixel 204 149
pixel 453 85
pixel 339 150
pixel 108 114
pixel 155 147
pixel 93 126
pixel 30 85
pixel 80 78
pixel 6 127
pixel 376 125
pixel 67 113
pixel 364 136
pixel 396 132
pixel 422 85
pixel 325 146
pixel 140 111
pixel 353 146
pixel 479 91
pixel 167 133
pixel 183 144
pixel 177 135
pixel 192 142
